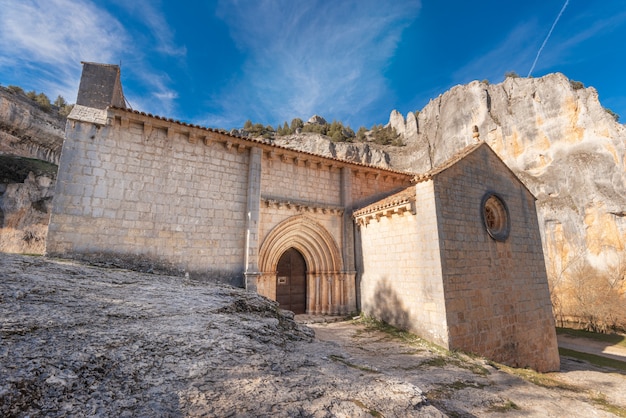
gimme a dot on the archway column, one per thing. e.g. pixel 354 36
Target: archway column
pixel 251 249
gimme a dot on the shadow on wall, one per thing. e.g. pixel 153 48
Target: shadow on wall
pixel 388 307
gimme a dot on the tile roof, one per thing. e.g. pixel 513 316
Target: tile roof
pixel 400 198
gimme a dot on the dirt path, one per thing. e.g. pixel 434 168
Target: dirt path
pixel 599 348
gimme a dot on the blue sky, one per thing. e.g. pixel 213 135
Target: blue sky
pixel 218 63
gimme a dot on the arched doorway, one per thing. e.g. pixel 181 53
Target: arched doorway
pixel 291 281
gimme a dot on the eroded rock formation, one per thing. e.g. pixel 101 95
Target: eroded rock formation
pixel 27 131
pixel 560 141
pixel 350 151
pixel 30 147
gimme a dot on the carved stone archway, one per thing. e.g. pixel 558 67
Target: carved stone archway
pixel 328 291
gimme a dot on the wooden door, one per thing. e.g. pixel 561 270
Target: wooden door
pixel 291 282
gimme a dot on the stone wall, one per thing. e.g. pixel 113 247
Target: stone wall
pixel 150 192
pixel 401 279
pixel 496 292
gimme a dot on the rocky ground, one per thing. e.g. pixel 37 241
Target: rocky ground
pixel 87 341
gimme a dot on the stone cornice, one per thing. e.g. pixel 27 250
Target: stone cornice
pixel 300 206
pixel 396 204
pixel 198 134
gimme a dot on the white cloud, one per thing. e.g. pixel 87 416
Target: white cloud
pixel 43 42
pixel 315 57
pixel 49 38
pixel 152 18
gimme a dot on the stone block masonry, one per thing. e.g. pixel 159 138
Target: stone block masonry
pixel 496 292
pixel 151 192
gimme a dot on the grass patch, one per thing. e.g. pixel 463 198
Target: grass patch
pixel 372 324
pixel 614 339
pixel 342 360
pixel 370 411
pixel 593 359
pixel 537 378
pixel 443 391
pixel 546 381
pixel 600 400
pixel 507 406
pixel 438 361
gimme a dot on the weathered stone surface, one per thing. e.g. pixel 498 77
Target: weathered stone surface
pixel 27 131
pixel 86 341
pixel 350 151
pixel 24 213
pixel 396 121
pixel 316 120
pixel 559 140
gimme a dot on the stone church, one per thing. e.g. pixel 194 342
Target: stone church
pixel 453 254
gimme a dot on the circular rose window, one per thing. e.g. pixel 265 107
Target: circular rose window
pixel 496 217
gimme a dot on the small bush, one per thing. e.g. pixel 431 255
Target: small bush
pixel 511 74
pixel 43 102
pixel 610 112
pixel 15 89
pixel 385 135
pixel 60 102
pixel 66 110
pixel 296 123
pixel 576 85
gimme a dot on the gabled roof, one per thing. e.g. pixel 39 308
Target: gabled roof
pixel 408 195
pixel 461 155
pixel 448 163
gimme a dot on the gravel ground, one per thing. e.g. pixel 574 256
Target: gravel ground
pixel 87 341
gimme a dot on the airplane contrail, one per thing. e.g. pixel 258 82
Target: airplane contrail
pixel 547 37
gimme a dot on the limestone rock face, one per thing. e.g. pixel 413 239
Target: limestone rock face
pixel 27 131
pixel 559 140
pixel 24 214
pixel 30 147
pixel 317 120
pixel 396 121
pixel 321 145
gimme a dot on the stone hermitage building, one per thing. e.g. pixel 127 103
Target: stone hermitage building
pixel 453 254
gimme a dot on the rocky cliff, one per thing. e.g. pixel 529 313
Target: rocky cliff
pixel 27 131
pixel 556 136
pixel 30 147
pixel 350 151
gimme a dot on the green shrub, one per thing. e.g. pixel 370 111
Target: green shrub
pixel 511 74
pixel 15 89
pixel 576 85
pixel 43 102
pixel 360 134
pixel 66 110
pixel 610 112
pixel 385 135
pixel 295 124
pixel 60 102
